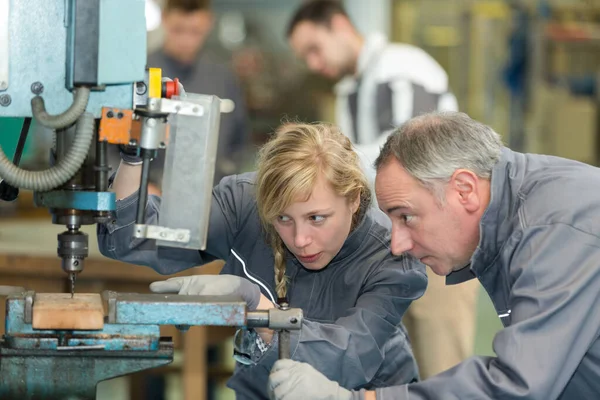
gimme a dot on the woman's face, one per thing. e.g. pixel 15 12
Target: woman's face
pixel 315 230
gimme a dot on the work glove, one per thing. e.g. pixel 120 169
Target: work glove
pixel 293 380
pixel 211 285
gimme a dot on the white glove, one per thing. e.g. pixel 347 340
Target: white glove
pixel 211 285
pixel 293 380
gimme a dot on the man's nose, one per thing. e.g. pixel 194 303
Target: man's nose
pixel 401 241
pixel 314 64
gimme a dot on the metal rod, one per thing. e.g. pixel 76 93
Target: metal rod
pixel 284 344
pixel 102 166
pixel 257 319
pixel 81 348
pixel 284 335
pixel 143 192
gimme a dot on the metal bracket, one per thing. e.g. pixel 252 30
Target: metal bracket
pixel 4 43
pixel 285 318
pixel 181 107
pixel 161 233
pixel 281 320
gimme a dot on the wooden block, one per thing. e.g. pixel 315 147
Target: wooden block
pixel 59 311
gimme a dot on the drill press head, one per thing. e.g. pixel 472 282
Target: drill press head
pixel 89 102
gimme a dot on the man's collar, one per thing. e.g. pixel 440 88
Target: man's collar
pixel 462 275
pixel 492 226
pixel 371 50
pixel 369 53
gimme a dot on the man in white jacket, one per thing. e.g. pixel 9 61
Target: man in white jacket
pixel 380 86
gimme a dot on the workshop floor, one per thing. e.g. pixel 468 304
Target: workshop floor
pixel 488 324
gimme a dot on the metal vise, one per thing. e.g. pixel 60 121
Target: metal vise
pixel 53 365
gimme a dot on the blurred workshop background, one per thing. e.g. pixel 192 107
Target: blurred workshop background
pixel 528 68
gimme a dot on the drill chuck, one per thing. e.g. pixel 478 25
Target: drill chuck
pixel 72 249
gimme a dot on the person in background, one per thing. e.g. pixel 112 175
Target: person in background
pixel 380 86
pixel 187 25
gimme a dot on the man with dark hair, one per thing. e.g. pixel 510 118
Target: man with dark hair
pixel 381 85
pixel 187 25
pixel 527 226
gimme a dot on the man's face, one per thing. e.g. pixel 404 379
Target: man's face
pixel 315 230
pixel 185 33
pixel 443 236
pixel 323 49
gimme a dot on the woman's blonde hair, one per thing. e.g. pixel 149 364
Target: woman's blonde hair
pixel 288 168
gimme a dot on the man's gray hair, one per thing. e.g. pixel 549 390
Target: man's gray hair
pixel 431 147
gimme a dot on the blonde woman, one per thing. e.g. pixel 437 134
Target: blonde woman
pixel 300 228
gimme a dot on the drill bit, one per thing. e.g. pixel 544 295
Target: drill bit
pixel 72 276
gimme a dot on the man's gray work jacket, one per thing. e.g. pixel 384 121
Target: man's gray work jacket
pixel 352 308
pixel 539 260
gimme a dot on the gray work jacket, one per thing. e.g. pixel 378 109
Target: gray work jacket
pixel 352 331
pixel 539 260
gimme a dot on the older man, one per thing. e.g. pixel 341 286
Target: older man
pixel 527 226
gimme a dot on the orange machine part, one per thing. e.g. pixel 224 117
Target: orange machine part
pixel 117 126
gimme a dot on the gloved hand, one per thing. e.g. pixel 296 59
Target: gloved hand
pixel 293 380
pixel 211 285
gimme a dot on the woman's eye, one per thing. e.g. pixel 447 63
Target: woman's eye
pixel 317 218
pixel 283 218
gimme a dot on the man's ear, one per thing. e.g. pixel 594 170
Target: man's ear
pixel 465 184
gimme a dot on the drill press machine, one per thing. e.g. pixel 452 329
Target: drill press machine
pixel 78 68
